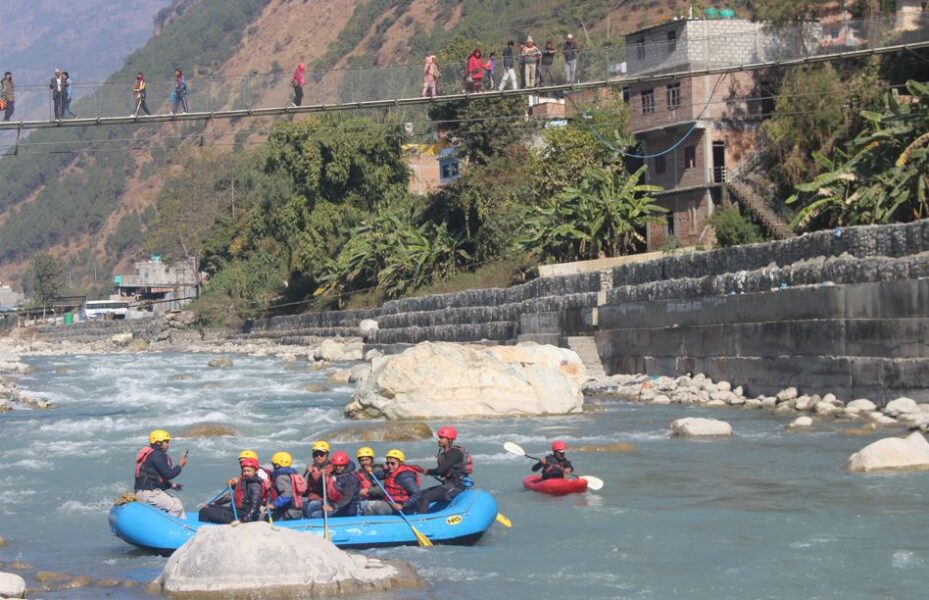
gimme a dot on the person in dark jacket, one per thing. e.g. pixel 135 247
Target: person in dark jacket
pixel 547 72
pixel 509 70
pixel 342 490
pixel 315 477
pixel 8 93
pixel 57 86
pixel 402 483
pixel 450 470
pixel 288 504
pixel 248 495
pixel 555 465
pixel 154 472
pixel 68 96
pixel 570 59
pixel 180 92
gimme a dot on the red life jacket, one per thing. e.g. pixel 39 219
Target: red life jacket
pixel 298 487
pixel 362 476
pixel 238 493
pixel 314 481
pixel 333 494
pixel 397 492
pixel 142 456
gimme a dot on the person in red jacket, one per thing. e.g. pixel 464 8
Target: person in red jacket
pixel 475 70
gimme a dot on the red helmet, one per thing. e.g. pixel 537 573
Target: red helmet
pixel 339 459
pixel 249 462
pixel 559 446
pixel 447 432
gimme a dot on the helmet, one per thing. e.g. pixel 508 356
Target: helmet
pixel 249 462
pixel 398 454
pixel 447 432
pixel 247 454
pixel 340 459
pixel 559 446
pixel 159 435
pixel 321 445
pixel 282 459
pixel 364 452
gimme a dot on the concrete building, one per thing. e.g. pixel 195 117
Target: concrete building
pixel 10 298
pixel 433 166
pixel 696 130
pixel 166 287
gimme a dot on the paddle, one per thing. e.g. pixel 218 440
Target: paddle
pixel 215 497
pixel 325 512
pixel 501 518
pixel 235 513
pixel 422 539
pixel 593 483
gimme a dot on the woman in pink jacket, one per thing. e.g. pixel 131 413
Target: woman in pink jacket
pixel 298 81
pixel 475 70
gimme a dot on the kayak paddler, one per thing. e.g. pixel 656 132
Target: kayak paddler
pixel 555 465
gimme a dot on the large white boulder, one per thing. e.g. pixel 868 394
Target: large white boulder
pixel 225 561
pixel 447 380
pixel 334 351
pixel 861 405
pixel 697 427
pixel 367 327
pixel 900 406
pixel 12 586
pixel 909 453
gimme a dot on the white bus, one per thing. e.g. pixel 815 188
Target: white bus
pixel 106 309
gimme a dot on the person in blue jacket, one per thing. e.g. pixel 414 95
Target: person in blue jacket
pixel 154 472
pixel 288 502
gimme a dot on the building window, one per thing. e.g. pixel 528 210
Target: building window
pixel 640 49
pixel 690 157
pixel 672 42
pixel 669 220
pixel 626 95
pixel 674 96
pixel 693 219
pixel 660 164
pixel 648 102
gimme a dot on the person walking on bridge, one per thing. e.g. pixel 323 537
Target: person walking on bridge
pixel 475 70
pixel 509 72
pixel 570 60
pixel 298 81
pixel 531 55
pixel 140 92
pixel 7 93
pixel 430 77
pixel 57 86
pixel 180 92
pixel 68 95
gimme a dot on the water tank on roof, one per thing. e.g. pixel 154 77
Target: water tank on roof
pixel 711 13
pixel 727 13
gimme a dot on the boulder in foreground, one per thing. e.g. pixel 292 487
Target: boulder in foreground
pixel 892 454
pixel 233 562
pixel 447 380
pixel 697 427
pixel 12 586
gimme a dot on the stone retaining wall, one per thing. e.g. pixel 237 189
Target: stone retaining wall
pixel 90 331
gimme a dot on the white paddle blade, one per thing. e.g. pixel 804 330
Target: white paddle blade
pixel 514 448
pixel 593 483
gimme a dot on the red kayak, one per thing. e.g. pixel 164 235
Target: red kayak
pixel 555 487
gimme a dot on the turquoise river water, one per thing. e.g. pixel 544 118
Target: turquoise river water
pixel 767 514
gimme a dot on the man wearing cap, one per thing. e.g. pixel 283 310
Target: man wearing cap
pixel 531 56
pixel 556 465
pixel 570 59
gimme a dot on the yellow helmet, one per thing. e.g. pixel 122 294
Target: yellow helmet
pixel 364 451
pixel 398 454
pixel 159 435
pixel 248 454
pixel 282 459
pixel 321 445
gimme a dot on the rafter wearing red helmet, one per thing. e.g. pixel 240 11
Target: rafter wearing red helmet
pixel 555 465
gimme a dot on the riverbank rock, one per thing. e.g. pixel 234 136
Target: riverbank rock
pixel 388 431
pixel 801 423
pixel 333 351
pixel 221 362
pixel 447 380
pixel 12 586
pixel 890 454
pixel 862 405
pixel 900 406
pixel 339 376
pixel 207 430
pixel 698 427
pixel 367 327
pixel 121 340
pixel 211 565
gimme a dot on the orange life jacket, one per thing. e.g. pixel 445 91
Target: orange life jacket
pixel 397 492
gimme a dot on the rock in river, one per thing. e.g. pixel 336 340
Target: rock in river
pixel 696 427
pixel 12 586
pixel 213 564
pixel 447 380
pixel 207 430
pixel 889 454
pixel 219 363
pixel 388 431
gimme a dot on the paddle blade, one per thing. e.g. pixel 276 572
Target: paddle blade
pixel 593 483
pixel 503 520
pixel 514 448
pixel 422 539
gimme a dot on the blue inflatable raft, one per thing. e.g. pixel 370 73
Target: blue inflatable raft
pixel 462 522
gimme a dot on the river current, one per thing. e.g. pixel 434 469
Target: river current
pixel 767 514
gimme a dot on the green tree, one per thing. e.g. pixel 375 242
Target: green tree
pixel 483 128
pixel 733 228
pixel 882 175
pixel 605 216
pixel 46 274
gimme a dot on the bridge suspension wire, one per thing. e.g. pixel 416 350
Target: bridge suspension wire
pixel 549 90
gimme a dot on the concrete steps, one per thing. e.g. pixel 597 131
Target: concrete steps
pixel 586 348
pixel 747 197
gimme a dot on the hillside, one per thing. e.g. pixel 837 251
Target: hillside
pixel 91 208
